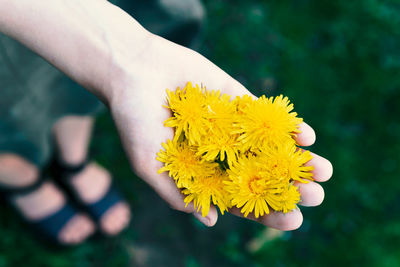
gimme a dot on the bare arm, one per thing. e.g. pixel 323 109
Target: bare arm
pixel 84 39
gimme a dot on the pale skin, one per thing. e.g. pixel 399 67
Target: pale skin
pixel 110 54
pixel 72 135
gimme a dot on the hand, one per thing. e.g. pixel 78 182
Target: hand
pixel 137 108
pixel 108 52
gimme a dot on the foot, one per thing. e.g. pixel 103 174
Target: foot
pixel 15 172
pixel 91 184
pixel 47 200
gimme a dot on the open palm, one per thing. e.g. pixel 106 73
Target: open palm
pixel 138 111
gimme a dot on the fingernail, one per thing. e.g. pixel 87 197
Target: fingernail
pixel 203 220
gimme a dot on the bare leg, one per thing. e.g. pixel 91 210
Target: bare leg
pixel 46 200
pixel 72 135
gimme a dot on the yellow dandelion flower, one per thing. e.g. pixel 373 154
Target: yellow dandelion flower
pixel 268 121
pixel 219 142
pixel 220 145
pixel 189 108
pixel 252 188
pixel 183 163
pixel 242 103
pixel 290 198
pixel 219 111
pixel 206 190
pixel 253 138
pixel 287 161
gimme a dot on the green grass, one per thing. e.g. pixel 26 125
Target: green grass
pixel 339 62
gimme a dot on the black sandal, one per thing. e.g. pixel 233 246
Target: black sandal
pixel 96 210
pixel 48 227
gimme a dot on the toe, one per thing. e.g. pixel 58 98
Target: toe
pixel 115 219
pixel 76 230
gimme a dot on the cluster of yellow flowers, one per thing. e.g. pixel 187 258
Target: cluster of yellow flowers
pixel 238 152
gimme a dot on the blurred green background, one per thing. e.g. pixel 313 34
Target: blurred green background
pixel 339 62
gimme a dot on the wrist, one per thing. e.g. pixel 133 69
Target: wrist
pixel 123 44
pixel 127 56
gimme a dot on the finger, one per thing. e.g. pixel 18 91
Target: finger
pixel 306 137
pixel 323 168
pixel 278 220
pixel 312 194
pixel 210 220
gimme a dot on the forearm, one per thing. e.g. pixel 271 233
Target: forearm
pixel 84 39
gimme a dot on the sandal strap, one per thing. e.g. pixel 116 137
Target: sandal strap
pixel 65 171
pixel 10 191
pixel 97 209
pixel 51 226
